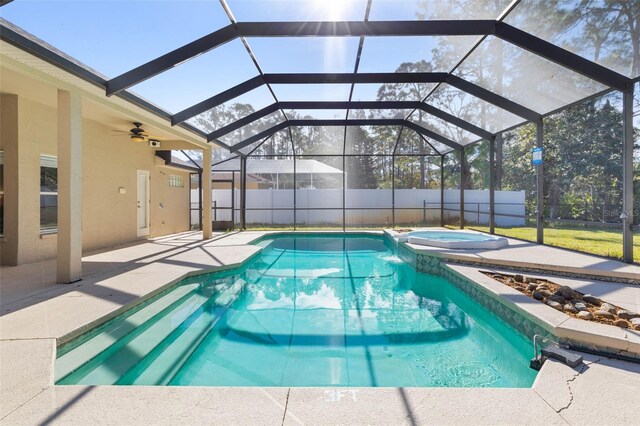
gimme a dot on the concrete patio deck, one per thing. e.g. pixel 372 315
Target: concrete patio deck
pixel 33 306
pixel 36 314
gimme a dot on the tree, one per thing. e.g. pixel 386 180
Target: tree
pixel 582 161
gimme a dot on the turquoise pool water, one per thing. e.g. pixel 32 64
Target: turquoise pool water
pixel 308 311
pixel 451 236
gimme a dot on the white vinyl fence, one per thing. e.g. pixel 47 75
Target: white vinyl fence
pixel 364 206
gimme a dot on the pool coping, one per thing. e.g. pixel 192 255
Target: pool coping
pixel 37 399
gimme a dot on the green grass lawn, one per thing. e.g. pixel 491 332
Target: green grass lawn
pixel 601 241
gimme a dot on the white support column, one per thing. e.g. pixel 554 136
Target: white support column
pixel 243 193
pixel 206 194
pixel 442 190
pixel 492 185
pixel 540 186
pixel 627 177
pixel 463 178
pixel 13 204
pixel 69 187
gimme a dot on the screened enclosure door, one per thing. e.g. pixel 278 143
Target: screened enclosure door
pixel 143 203
pixel 223 200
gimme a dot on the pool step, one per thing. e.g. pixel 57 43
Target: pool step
pixel 166 359
pixel 88 350
pixel 108 366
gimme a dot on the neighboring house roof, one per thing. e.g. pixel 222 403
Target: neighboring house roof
pixel 182 163
pixel 263 166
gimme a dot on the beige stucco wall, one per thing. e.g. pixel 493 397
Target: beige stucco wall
pixel 109 163
pixel 173 215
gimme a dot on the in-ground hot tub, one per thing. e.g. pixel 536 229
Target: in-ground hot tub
pixel 452 239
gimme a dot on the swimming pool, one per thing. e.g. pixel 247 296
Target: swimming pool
pixel 454 239
pixel 308 311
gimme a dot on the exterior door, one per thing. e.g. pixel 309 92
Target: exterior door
pixel 222 200
pixel 143 203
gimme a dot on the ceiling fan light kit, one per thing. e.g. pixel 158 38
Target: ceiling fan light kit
pixel 137 133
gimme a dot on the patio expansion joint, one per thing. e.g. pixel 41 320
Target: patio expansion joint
pixel 286 403
pixel 27 339
pixel 24 403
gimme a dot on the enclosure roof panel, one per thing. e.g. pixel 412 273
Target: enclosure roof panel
pixel 413 54
pixel 305 54
pixel 443 128
pixel 409 10
pixel 391 91
pixel 297 10
pixel 601 31
pixel 472 109
pixel 316 114
pixel 267 166
pixel 254 128
pixel 192 82
pixel 524 77
pixel 378 140
pixel 231 111
pixel 311 92
pixel 322 140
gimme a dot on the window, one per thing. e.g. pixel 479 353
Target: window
pixel 48 194
pixel 1 192
pixel 176 181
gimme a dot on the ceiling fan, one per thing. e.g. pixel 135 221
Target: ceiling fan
pixel 138 134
